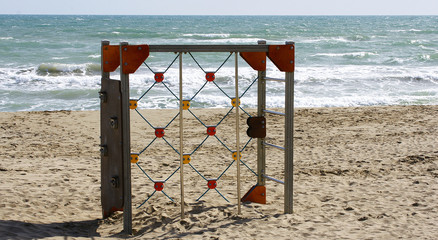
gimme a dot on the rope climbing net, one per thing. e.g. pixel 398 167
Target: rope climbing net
pixel 210 129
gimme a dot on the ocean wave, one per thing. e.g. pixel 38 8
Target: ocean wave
pixel 60 69
pixel 318 86
pixel 395 61
pixel 207 35
pixel 6 38
pixel 324 39
pixel 359 38
pixel 405 30
pixel 218 41
pixel 348 55
pixel 94 56
pixel 59 58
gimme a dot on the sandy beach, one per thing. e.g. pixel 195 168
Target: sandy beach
pixel 360 173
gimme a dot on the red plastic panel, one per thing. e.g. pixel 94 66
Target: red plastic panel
pixel 110 57
pixel 133 56
pixel 283 56
pixel 257 60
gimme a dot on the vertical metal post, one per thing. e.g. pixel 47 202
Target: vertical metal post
pixel 261 106
pixel 237 130
pixel 127 207
pixel 181 135
pixel 289 141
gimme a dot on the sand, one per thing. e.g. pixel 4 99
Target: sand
pixel 360 173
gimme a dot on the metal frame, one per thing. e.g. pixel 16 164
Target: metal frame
pixel 208 48
pixel 126 147
pixel 261 110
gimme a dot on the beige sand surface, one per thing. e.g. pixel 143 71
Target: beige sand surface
pixel 360 173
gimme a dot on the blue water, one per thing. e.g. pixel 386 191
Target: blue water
pixel 53 62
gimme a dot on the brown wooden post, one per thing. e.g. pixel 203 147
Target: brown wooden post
pixel 111 135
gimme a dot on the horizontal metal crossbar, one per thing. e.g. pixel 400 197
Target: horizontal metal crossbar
pixel 272 179
pixel 208 48
pixel 274 112
pixel 275 79
pixel 272 145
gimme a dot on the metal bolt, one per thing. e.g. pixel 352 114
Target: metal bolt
pixel 125 49
pixel 126 64
pixel 102 96
pixel 291 62
pixel 114 123
pixel 115 182
pixel 103 150
pixel 139 48
pixel 106 62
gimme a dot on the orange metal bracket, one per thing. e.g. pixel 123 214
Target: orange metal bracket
pixel 283 56
pixel 110 57
pixel 257 194
pixel 257 60
pixel 133 56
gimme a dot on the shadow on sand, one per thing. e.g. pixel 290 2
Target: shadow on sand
pixel 10 229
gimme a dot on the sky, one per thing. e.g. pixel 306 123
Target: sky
pixel 221 7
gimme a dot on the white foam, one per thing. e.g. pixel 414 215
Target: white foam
pixel 324 39
pixel 315 86
pixel 94 56
pixel 349 54
pixel 208 35
pixel 59 58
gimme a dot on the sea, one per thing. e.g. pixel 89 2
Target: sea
pixel 51 62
